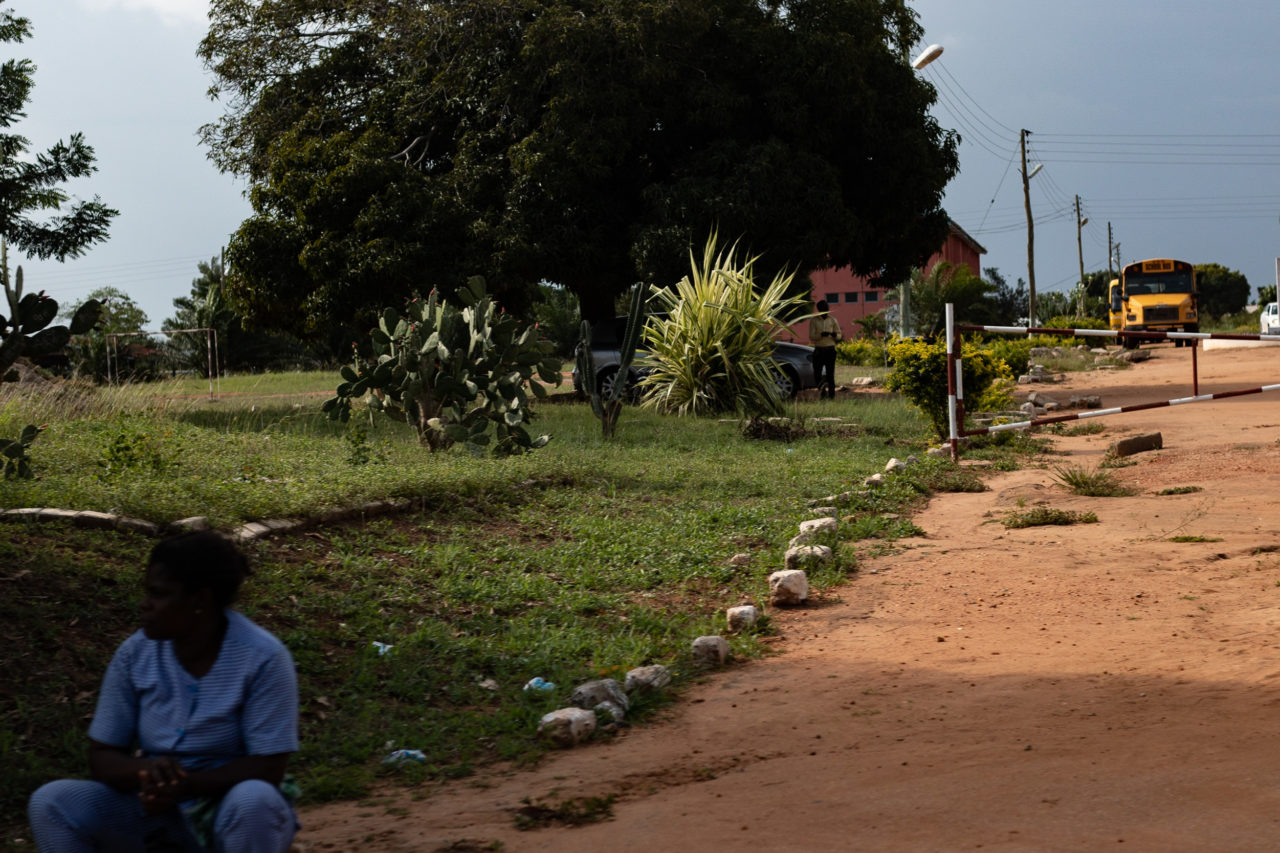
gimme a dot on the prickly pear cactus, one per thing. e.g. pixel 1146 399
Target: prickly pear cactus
pixel 14 462
pixel 26 330
pixel 456 374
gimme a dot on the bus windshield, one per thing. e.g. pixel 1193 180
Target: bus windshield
pixel 1137 283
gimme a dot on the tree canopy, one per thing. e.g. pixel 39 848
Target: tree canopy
pixel 91 352
pixel 946 282
pixel 1222 290
pixel 32 184
pixel 393 147
pixel 235 347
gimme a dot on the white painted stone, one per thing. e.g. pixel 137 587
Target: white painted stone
pixel 567 726
pixel 97 520
pixel 894 465
pixel 138 525
pixel 593 693
pixel 615 711
pixel 647 679
pixel 192 524
pixel 825 512
pixel 249 532
pixel 938 452
pixel 874 480
pixel 807 555
pixel 742 617
pixel 827 524
pixel 740 560
pixel 710 651
pixel 790 586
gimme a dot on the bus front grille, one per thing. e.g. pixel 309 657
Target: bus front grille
pixel 1160 314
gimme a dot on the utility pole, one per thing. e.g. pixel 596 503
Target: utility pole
pixel 1080 256
pixel 1031 234
pixel 1109 272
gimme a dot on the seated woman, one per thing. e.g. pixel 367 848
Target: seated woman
pixel 195 722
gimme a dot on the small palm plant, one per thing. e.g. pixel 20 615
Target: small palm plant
pixel 713 351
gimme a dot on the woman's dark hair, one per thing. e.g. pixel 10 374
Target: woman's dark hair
pixel 203 560
pixel 822 305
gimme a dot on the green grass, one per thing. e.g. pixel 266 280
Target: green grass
pixel 1045 516
pixel 1093 484
pixel 1089 428
pixel 583 559
pixel 1181 490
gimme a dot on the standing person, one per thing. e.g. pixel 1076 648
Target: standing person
pixel 824 334
pixel 195 721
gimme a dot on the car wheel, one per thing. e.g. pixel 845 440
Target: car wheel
pixel 605 381
pixel 787 382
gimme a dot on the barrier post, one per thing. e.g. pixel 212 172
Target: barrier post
pixel 1195 369
pixel 953 382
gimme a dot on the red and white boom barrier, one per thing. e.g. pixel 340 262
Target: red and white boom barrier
pixel 955 375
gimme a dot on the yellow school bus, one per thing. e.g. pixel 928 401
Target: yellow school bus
pixel 1157 295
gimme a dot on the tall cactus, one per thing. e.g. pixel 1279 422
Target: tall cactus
pixel 26 330
pixel 607 406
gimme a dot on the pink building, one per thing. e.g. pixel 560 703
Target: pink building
pixel 850 297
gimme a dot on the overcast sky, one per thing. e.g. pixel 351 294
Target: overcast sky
pixel 1161 115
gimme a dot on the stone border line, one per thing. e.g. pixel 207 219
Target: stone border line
pixel 247 532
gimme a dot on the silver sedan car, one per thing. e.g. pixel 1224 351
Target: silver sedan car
pixel 794 362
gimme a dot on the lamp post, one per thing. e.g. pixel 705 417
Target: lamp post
pixel 929 54
pixel 1031 233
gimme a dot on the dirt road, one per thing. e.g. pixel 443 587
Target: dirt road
pixel 1050 688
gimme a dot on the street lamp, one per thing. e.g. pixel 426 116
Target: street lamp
pixel 929 54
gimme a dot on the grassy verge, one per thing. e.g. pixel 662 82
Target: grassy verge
pixel 583 559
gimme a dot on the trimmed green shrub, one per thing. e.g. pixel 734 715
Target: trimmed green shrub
pixel 862 352
pixel 920 374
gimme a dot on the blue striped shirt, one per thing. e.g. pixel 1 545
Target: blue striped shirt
pixel 246 704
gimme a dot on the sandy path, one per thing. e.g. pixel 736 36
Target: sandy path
pixel 1051 688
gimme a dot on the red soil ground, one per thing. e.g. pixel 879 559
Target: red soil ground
pixel 1050 688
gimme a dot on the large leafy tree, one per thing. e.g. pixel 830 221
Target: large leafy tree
pixel 1007 303
pixel 1222 290
pixel 236 348
pixel 944 283
pixel 32 184
pixel 391 147
pixel 127 353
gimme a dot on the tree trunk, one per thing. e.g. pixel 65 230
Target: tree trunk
pixel 425 407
